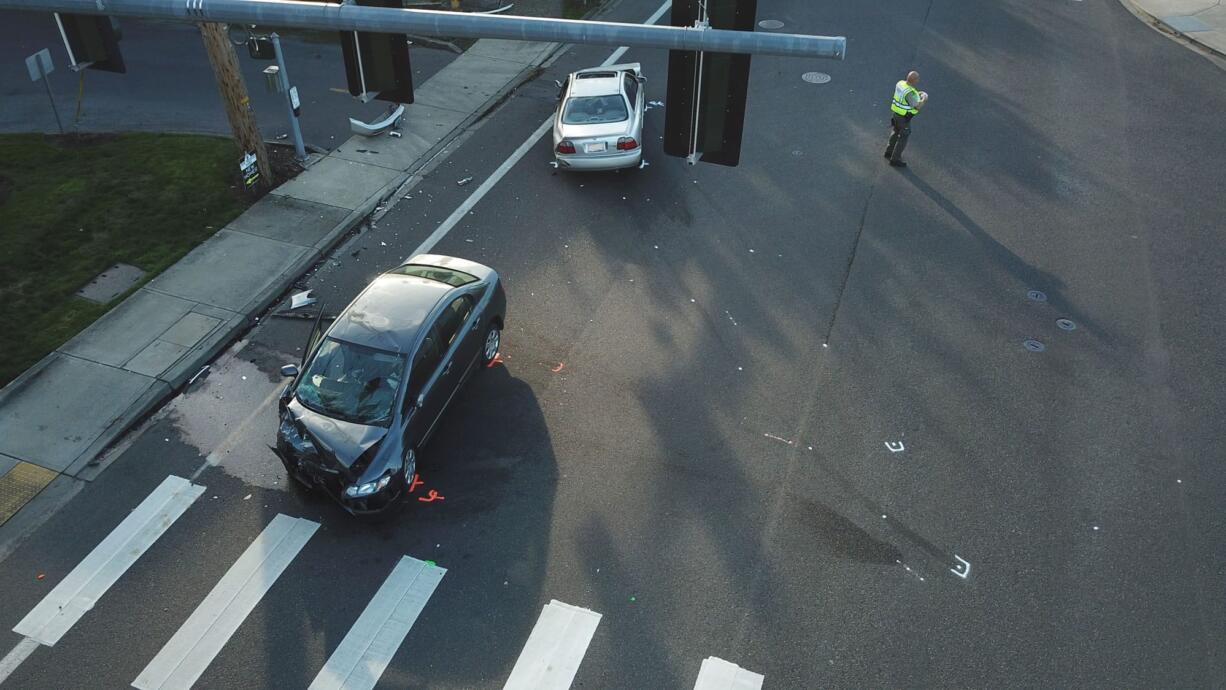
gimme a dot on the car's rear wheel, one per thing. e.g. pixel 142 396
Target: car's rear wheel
pixel 493 340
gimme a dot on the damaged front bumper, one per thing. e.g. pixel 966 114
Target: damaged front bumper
pixel 314 475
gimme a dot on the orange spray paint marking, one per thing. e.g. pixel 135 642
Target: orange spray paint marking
pixel 430 497
pixel 415 483
pixel 558 368
pixel 496 360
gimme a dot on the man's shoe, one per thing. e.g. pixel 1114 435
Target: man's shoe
pixel 889 153
pixel 898 164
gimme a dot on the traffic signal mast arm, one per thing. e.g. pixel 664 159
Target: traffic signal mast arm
pixel 333 17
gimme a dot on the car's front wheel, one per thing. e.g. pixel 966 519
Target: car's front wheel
pixel 493 341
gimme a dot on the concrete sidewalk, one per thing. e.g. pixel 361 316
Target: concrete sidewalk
pixel 1202 22
pixel 57 418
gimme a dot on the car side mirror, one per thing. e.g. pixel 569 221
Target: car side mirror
pixel 421 400
pixel 640 79
pixel 558 84
pixel 289 370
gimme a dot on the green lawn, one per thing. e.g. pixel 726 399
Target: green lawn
pixel 69 210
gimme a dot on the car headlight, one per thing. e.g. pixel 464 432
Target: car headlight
pixel 359 490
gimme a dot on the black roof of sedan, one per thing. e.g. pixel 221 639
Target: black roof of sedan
pixel 390 312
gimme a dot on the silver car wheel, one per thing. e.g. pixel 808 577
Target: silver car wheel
pixel 492 340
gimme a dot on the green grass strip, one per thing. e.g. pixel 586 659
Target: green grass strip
pixel 70 209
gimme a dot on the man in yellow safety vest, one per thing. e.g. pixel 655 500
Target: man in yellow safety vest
pixel 906 104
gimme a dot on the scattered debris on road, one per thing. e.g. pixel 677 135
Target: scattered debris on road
pixel 302 299
pixel 463 181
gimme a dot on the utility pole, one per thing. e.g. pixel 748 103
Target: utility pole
pixel 234 95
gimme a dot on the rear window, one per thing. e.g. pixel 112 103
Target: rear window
pixel 442 275
pixel 595 110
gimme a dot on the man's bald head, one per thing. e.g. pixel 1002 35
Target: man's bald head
pixel 912 77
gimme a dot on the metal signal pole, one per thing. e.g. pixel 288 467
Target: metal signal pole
pixel 335 17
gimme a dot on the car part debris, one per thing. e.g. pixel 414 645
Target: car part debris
pixel 302 299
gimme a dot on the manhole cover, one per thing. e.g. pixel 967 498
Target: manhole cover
pixel 1065 324
pixel 1034 345
pixel 816 77
pixel 770 24
pixel 1037 296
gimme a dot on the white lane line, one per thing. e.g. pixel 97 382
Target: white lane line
pixel 717 674
pixel 77 593
pixel 557 644
pixel 13 659
pixel 371 643
pixel 479 193
pixel 198 641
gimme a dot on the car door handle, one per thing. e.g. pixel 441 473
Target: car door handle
pixel 447 369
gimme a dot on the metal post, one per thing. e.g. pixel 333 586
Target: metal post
pixel 333 17
pixel 299 149
pixel 47 83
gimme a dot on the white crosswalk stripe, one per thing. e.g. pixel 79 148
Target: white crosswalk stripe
pixel 717 674
pixel 371 643
pixel 80 589
pixel 198 641
pixel 550 659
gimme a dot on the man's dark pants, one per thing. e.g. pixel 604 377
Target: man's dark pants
pixel 898 140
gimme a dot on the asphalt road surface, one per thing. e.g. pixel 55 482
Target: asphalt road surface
pixel 780 414
pixel 169 85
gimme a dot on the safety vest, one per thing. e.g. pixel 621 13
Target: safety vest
pixel 899 105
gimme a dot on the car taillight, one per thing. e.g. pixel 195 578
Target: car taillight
pixel 627 144
pixel 566 147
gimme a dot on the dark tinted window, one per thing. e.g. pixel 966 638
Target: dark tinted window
pixel 632 89
pixel 442 275
pixel 424 363
pixel 452 319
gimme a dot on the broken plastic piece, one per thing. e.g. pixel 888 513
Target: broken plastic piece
pixel 302 299
pixel 463 181
pixel 394 133
pixel 390 119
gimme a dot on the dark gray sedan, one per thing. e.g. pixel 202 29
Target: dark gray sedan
pixel 373 386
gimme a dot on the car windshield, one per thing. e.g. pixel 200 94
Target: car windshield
pixel 351 382
pixel 442 275
pixel 595 110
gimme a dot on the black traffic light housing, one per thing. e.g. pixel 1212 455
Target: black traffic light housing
pixel 377 65
pixel 92 41
pixel 712 127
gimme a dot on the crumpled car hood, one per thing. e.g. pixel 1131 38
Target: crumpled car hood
pixel 342 441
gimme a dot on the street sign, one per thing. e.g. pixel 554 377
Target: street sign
pixel 39 64
pixel 251 172
pixel 293 100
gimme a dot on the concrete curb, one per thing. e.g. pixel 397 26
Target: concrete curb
pixel 1156 22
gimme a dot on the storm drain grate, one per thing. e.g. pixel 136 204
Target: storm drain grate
pixel 816 77
pixel 1033 345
